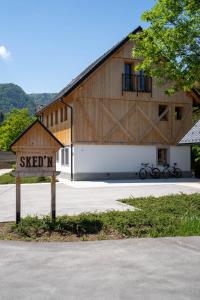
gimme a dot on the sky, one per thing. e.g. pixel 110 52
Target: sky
pixel 44 44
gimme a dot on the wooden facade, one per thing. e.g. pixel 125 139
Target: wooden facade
pixel 105 114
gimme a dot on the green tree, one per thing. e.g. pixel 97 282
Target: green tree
pixel 13 125
pixel 170 46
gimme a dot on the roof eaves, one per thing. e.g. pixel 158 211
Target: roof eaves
pixel 29 127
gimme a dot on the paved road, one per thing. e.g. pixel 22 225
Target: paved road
pixel 74 200
pixel 154 269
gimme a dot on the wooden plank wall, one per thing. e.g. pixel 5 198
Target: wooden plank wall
pixel 105 115
pixel 62 130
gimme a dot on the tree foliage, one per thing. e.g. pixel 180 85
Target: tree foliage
pixel 170 46
pixel 13 125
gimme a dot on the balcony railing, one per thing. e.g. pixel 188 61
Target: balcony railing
pixel 136 83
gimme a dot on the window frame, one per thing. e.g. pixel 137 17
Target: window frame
pixel 61 114
pixel 47 121
pixel 58 156
pixel 51 119
pixel 166 116
pixel 179 115
pixel 166 158
pixel 65 156
pixel 56 117
pixel 65 113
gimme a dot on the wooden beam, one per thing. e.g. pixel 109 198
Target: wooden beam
pixel 91 124
pixel 180 133
pixel 116 126
pixel 114 119
pixel 153 125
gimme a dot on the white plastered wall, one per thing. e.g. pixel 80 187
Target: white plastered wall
pixel 111 158
pixel 124 158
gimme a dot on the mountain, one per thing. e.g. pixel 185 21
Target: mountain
pixel 42 98
pixel 13 96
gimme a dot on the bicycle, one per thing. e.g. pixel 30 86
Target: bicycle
pixel 151 170
pixel 171 171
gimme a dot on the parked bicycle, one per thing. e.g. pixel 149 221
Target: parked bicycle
pixel 171 171
pixel 146 170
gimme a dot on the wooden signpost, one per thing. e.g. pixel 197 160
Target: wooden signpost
pixel 36 151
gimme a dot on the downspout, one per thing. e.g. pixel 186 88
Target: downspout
pixel 71 134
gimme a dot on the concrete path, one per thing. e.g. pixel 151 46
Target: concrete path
pixel 147 269
pixel 70 200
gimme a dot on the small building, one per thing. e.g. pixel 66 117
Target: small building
pixel 111 119
pixel 192 137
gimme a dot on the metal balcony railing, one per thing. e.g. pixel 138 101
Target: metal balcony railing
pixel 136 83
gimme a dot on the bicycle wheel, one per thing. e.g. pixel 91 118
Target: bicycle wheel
pixel 155 173
pixel 143 173
pixel 165 173
pixel 177 173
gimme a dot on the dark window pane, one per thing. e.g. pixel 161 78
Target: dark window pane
pixel 62 156
pixel 51 119
pixel 178 112
pixel 56 117
pixel 161 110
pixel 65 115
pixel 162 156
pixel 61 114
pixel 57 156
pixel 128 69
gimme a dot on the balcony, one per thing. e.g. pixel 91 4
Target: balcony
pixel 136 83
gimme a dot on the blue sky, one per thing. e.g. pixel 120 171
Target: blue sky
pixel 46 43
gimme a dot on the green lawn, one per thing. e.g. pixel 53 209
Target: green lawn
pixel 9 178
pixel 177 215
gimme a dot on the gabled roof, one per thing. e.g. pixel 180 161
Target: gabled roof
pixel 89 70
pixel 193 136
pixel 29 127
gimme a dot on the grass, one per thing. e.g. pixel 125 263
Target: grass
pixel 9 179
pixel 176 215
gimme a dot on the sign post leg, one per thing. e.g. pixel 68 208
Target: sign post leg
pixel 18 199
pixel 53 197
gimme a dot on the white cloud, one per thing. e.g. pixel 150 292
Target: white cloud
pixel 4 53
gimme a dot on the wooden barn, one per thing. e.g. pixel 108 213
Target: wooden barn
pixel 111 119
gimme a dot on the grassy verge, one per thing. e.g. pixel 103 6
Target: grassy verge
pixel 9 179
pixel 177 215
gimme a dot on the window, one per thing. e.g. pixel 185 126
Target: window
pixel 57 156
pixel 162 156
pixel 56 117
pixel 51 119
pixel 65 156
pixel 161 110
pixel 128 76
pixel 141 81
pixel 40 117
pixel 61 114
pixel 65 114
pixel 128 68
pixel 178 112
pixel 47 121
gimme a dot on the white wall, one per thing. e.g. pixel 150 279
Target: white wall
pixel 124 158
pixel 182 156
pixel 112 158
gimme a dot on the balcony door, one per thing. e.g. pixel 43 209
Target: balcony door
pixel 128 76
